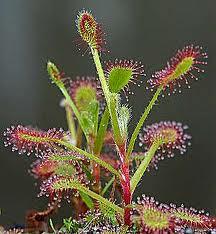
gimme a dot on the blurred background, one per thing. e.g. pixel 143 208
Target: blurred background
pixel 31 32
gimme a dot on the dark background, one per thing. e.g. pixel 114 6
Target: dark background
pixel 31 32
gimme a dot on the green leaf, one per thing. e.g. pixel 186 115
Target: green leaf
pixel 108 185
pixel 65 169
pixel 144 165
pixel 87 172
pixel 101 131
pixel 84 96
pixel 108 213
pixel 62 157
pixel 54 74
pixel 123 119
pixel 141 121
pixel 69 183
pixel 119 77
pixel 89 156
pixel 114 104
pixel 90 118
pixel 69 226
pixel 88 201
pixel 56 77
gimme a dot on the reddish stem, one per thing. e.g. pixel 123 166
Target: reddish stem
pixel 96 175
pixel 96 167
pixel 125 183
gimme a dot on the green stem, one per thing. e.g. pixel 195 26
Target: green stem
pixel 101 132
pixel 72 105
pixel 80 187
pixel 101 75
pixel 70 121
pixel 98 143
pixel 89 156
pixel 107 94
pixel 56 78
pixel 143 166
pixel 141 121
pixel 114 119
pixel 56 157
pixel 79 137
pixel 107 186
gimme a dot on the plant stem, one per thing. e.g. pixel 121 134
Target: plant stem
pixel 144 164
pixel 98 146
pixel 101 75
pixel 121 145
pixel 70 121
pixel 72 105
pixel 141 121
pixel 110 101
pixel 107 186
pixel 79 137
pixel 96 167
pixel 101 132
pixel 62 158
pixel 125 184
pixel 114 119
pixel 89 156
pixel 80 187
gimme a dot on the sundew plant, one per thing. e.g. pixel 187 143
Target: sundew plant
pixel 93 164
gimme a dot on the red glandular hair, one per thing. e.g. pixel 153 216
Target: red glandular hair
pixel 90 31
pixel 190 217
pixel 56 187
pixel 84 89
pixel 66 171
pixel 172 136
pixel 43 169
pixel 153 217
pixel 120 73
pixel 27 139
pixel 182 67
pixel 69 156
